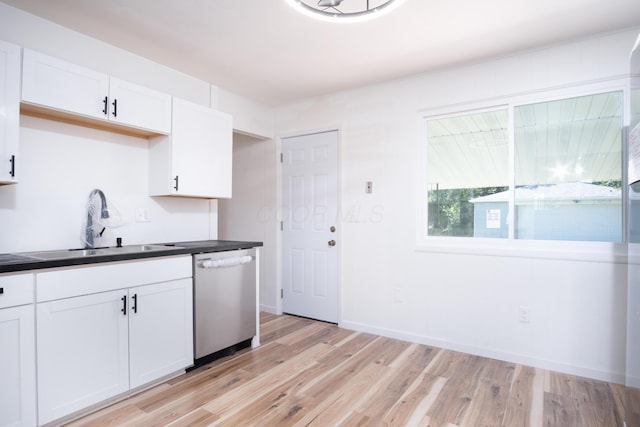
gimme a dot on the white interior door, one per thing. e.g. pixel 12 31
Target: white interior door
pixel 309 229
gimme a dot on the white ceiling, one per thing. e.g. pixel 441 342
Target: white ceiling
pixel 266 51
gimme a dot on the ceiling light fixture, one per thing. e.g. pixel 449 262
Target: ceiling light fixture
pixel 344 10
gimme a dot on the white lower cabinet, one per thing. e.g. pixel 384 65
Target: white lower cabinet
pixel 17 351
pixel 160 330
pixel 17 367
pixel 97 346
pixel 82 353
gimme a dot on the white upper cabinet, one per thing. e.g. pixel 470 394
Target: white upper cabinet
pixel 196 159
pixel 138 106
pixel 63 87
pixel 9 111
pixel 56 84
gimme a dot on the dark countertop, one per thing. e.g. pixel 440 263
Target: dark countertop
pixel 20 262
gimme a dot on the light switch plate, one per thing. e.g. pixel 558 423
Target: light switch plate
pixel 142 215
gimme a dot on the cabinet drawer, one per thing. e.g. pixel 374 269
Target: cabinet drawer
pixel 85 280
pixel 16 289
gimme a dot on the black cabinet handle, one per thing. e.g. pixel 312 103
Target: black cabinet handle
pixel 1 291
pixel 105 101
pixel 124 305
pixel 12 160
pixel 115 108
pixel 176 180
pixel 135 303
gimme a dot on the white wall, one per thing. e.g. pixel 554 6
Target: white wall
pixel 453 298
pixel 59 164
pixel 249 117
pixel 249 215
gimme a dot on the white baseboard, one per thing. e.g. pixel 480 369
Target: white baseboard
pixel 268 308
pixel 633 382
pixel 614 377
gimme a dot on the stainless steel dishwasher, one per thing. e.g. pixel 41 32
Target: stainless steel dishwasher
pixel 224 300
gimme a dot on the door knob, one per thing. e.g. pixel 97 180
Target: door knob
pixel 332 243
pixel 332 229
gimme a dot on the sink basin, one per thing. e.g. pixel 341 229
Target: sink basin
pixel 68 253
pixel 140 248
pixel 81 253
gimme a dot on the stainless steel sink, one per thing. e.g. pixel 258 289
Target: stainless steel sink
pixel 81 253
pixel 140 248
pixel 68 253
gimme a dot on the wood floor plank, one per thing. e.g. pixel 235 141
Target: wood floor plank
pixel 559 411
pixel 336 403
pixel 414 360
pixel 598 403
pixel 266 317
pixel 197 418
pixel 309 373
pixel 521 395
pixel 585 402
pixel 412 407
pixel 280 327
pixel 208 384
pixel 632 397
pixel 345 364
pixel 285 403
pixel 236 400
pixel 259 360
pixel 488 404
pixel 116 413
pixel 111 418
pixel 454 400
pixel 310 331
pixel 183 404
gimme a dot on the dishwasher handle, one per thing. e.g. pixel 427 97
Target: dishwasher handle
pixel 225 262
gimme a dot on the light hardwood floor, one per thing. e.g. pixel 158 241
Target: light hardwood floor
pixel 309 373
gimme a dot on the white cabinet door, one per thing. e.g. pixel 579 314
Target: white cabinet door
pixel 9 111
pixel 160 330
pixel 17 367
pixel 139 107
pixel 82 352
pixel 58 85
pixel 196 159
pixel 62 86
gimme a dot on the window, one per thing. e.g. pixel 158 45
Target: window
pixel 467 159
pixel 566 180
pixel 568 169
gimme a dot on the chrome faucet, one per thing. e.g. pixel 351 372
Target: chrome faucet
pixel 104 213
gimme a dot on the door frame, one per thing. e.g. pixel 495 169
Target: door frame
pixel 279 285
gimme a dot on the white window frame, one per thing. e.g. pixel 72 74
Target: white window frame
pixel 545 249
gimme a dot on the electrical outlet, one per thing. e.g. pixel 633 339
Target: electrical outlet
pixel 524 314
pixel 369 187
pixel 397 295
